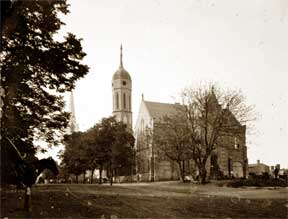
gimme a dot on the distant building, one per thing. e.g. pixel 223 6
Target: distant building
pixel 281 171
pixel 258 168
pixel 230 156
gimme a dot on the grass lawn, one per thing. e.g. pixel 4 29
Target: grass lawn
pixel 151 200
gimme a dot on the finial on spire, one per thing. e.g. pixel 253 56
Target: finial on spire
pixel 121 56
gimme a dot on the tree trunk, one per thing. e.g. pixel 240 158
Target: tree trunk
pixel 111 180
pixel 91 177
pixel 100 173
pixel 181 171
pixel 17 197
pixel 84 175
pixel 111 175
pixel 202 173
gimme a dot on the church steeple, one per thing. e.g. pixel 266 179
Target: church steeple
pixel 122 94
pixel 73 125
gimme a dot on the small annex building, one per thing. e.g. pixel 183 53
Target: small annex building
pixel 258 168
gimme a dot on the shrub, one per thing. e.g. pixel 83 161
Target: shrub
pixel 258 183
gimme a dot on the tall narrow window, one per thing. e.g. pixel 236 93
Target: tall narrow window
pixel 124 101
pixel 236 144
pixel 117 100
pixel 230 166
pixel 129 102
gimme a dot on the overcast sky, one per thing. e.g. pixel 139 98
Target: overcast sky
pixel 170 44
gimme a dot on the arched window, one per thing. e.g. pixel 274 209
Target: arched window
pixel 117 100
pixel 124 101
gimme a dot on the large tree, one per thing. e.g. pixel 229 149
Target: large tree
pixel 117 143
pixel 97 151
pixel 32 65
pixel 35 70
pixel 212 115
pixel 74 158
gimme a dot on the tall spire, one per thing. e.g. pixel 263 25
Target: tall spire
pixel 121 56
pixel 73 126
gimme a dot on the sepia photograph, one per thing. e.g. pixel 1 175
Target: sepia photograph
pixel 144 109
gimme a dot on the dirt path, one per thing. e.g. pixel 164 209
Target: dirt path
pixel 175 189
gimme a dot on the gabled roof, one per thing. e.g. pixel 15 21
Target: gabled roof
pixel 159 110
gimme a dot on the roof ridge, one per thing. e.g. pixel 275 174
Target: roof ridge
pixel 161 102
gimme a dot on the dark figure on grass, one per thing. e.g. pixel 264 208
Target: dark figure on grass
pixel 31 172
pixel 276 171
pixel 27 169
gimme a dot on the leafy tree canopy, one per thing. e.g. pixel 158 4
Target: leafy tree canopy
pixel 74 159
pixel 108 144
pixel 35 70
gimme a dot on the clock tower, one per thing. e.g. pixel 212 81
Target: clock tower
pixel 121 94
